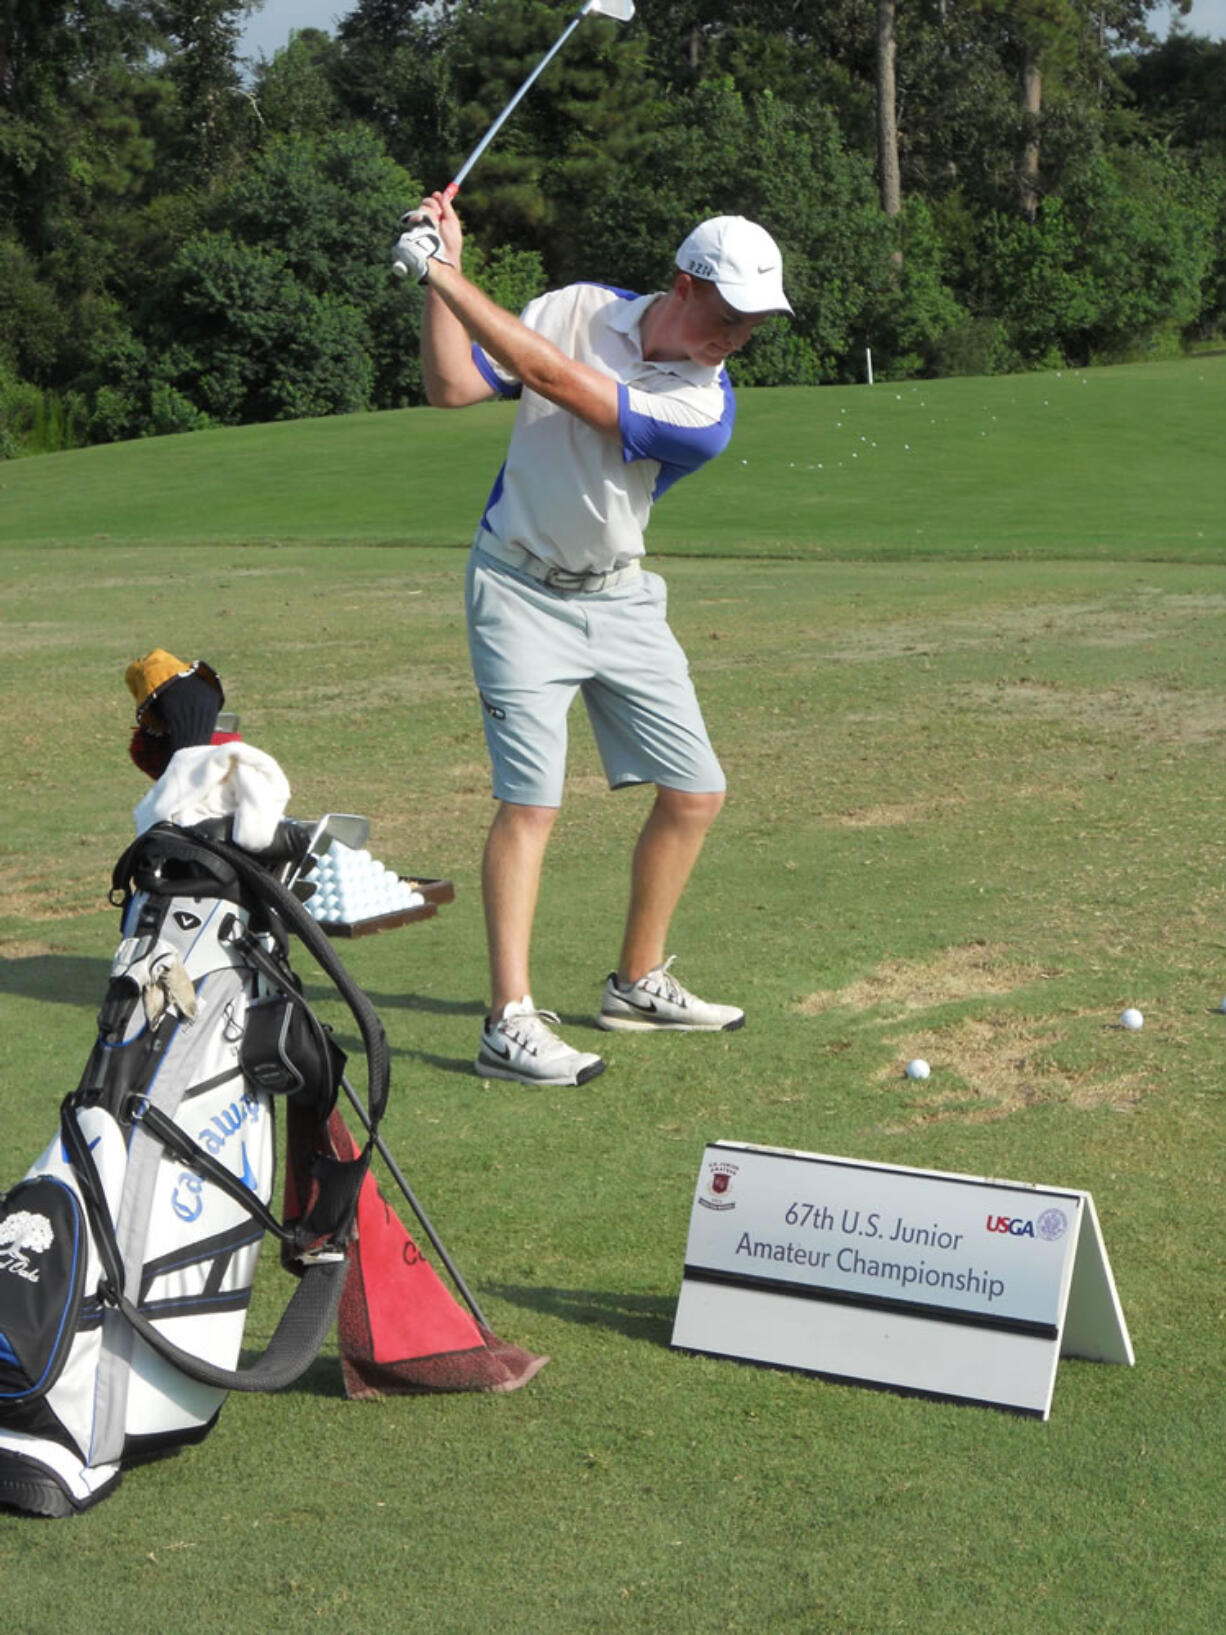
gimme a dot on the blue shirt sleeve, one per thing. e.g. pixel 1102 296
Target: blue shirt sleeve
pixel 679 450
pixel 504 388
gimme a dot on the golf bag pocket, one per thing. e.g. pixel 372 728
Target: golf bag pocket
pixel 43 1252
pixel 287 1051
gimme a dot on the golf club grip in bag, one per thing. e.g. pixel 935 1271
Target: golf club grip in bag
pixel 128 1250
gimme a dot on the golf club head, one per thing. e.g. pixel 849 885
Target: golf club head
pixel 621 11
pixel 343 827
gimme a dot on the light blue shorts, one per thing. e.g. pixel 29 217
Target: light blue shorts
pixel 533 649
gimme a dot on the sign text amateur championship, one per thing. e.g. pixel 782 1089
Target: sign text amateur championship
pixel 949 1284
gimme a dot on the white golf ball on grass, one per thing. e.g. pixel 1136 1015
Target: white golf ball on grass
pixel 918 1068
pixel 1132 1020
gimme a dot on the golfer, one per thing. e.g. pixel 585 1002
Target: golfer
pixel 619 396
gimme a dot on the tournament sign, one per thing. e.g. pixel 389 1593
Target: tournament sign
pixel 949 1285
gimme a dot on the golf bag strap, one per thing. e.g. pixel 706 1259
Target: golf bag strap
pixel 180 1144
pixel 299 1335
pixel 184 846
pixel 273 894
pixel 298 1340
pixel 93 1194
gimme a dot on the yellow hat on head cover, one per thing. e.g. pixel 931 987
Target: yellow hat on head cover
pixel 146 677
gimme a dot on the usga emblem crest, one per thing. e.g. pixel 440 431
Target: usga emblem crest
pixel 718 1185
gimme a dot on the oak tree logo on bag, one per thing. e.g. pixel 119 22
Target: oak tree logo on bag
pixel 22 1235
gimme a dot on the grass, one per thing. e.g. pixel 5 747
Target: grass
pixel 1100 463
pixel 976 809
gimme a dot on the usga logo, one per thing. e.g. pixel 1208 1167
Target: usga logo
pixel 718 1185
pixel 1052 1224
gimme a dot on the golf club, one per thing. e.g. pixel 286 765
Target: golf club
pixel 621 11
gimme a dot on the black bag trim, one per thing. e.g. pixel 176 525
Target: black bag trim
pixel 219 1250
pixel 196 1305
pixel 222 1246
pixel 210 1084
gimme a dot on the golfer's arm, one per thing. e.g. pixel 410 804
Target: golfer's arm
pixel 452 379
pixel 528 356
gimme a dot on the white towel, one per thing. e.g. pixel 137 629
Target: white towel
pixel 213 781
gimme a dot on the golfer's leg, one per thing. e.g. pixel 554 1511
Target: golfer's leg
pixel 667 849
pixel 510 883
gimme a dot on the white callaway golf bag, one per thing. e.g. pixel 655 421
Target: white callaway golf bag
pixel 128 1250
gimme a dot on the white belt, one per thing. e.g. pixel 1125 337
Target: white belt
pixel 549 574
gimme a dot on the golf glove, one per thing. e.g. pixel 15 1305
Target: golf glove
pixel 415 249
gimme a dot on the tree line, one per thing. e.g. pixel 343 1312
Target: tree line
pixel 963 186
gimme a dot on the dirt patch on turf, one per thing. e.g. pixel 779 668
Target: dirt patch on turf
pixel 975 970
pixel 26 905
pixel 887 817
pixel 1000 1065
pixel 27 949
pixel 1089 624
pixel 1155 714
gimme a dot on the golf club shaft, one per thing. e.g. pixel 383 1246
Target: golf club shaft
pixel 381 1149
pixel 453 187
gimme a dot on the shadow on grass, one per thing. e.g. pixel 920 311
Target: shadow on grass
pixel 408 1001
pixel 66 979
pixel 322 1379
pixel 638 1316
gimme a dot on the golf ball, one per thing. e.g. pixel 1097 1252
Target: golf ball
pixel 918 1069
pixel 1132 1020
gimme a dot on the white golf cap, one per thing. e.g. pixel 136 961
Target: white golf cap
pixel 741 259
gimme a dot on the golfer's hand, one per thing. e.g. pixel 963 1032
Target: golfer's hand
pixel 437 208
pixel 415 249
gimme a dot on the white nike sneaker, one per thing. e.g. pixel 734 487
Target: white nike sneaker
pixel 658 1002
pixel 521 1045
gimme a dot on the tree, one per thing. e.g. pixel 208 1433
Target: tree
pixel 1124 255
pixel 393 71
pixel 294 94
pixel 327 208
pixel 1180 91
pixel 887 112
pixel 200 39
pixel 250 343
pixel 58 59
pixel 786 167
pixel 582 124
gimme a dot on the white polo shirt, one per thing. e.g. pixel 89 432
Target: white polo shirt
pixel 576 497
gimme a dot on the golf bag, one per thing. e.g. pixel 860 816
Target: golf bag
pixel 128 1250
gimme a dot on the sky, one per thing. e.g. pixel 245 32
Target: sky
pixel 269 28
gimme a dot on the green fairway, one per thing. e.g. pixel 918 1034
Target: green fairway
pixel 1105 463
pixel 975 810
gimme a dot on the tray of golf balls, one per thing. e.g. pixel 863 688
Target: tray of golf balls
pixel 355 894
